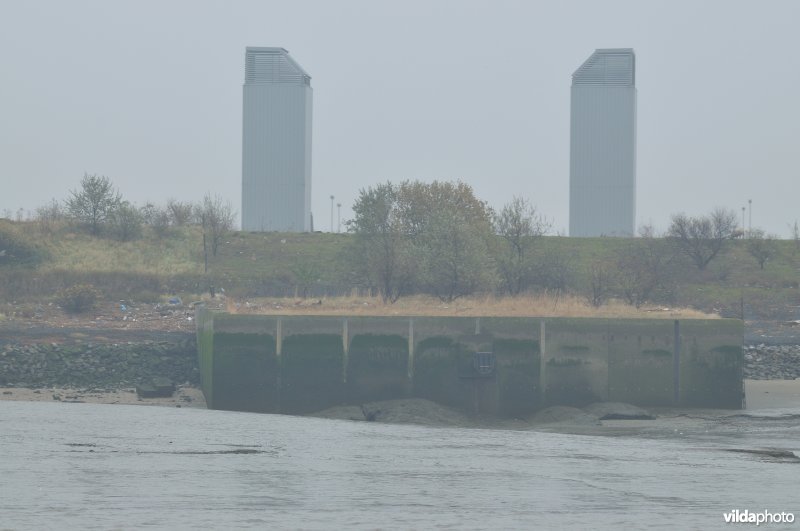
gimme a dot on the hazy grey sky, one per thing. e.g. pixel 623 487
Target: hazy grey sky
pixel 149 93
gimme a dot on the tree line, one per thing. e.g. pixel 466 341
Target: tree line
pixel 438 238
pixel 97 207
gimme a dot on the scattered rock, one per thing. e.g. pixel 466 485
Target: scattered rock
pixel 103 365
pixel 772 362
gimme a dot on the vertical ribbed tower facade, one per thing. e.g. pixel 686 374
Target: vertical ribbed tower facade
pixel 602 176
pixel 276 143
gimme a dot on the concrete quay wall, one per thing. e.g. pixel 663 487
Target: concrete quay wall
pixel 495 366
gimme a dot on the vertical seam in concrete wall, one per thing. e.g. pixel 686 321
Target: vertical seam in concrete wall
pixel 741 368
pixel 346 350
pixel 278 338
pixel 608 361
pixel 279 361
pixel 542 363
pixel 676 364
pixel 411 349
pixel 210 362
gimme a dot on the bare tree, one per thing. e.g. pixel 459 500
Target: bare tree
pixel 600 283
pixel 49 216
pixel 762 247
pixel 703 238
pixel 180 213
pixel 518 226
pixel 555 269
pixel 643 267
pixel 216 218
pixel 796 237
pixel 94 202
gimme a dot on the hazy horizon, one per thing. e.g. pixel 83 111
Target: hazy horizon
pixel 150 95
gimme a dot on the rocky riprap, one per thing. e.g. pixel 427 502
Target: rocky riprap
pixel 97 365
pixel 772 362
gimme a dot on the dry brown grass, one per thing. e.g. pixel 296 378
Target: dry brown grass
pixel 544 305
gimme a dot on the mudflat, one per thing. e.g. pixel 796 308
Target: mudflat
pixel 772 394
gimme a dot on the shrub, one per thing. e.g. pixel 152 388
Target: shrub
pixel 79 298
pixel 16 250
pixel 126 222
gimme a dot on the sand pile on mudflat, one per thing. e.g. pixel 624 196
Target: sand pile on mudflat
pixel 618 411
pixel 564 415
pixel 402 411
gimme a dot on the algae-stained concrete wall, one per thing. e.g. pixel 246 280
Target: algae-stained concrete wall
pixel 711 364
pixel 377 360
pixel 245 363
pixel 641 364
pixel 204 324
pixel 499 366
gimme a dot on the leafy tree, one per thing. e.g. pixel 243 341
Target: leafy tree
pixel 518 226
pixel 449 230
pixel 420 236
pixel 762 247
pixel 93 203
pixel 216 218
pixel 703 238
pixel 382 252
pixel 455 255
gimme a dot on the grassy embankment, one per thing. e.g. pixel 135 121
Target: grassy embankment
pixel 251 265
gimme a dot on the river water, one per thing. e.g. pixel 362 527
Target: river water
pixel 90 466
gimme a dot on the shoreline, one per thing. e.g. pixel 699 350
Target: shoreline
pixel 760 394
pixel 772 394
pixel 184 396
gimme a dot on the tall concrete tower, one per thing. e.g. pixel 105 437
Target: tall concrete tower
pixel 276 143
pixel 602 173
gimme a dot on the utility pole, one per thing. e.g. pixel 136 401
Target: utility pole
pixel 331 213
pixel 339 217
pixel 750 223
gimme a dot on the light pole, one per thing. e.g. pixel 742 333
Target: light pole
pixel 750 222
pixel 338 217
pixel 331 213
pixel 743 225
